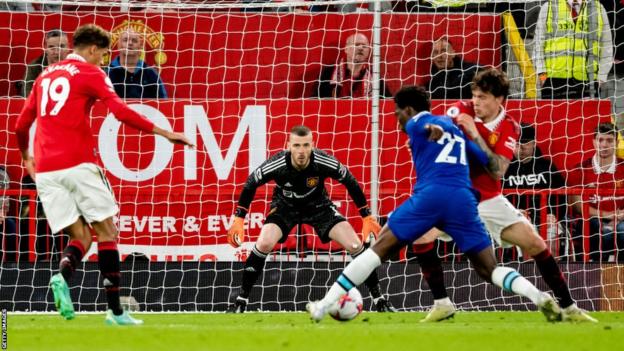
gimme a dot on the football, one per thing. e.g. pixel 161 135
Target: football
pixel 348 306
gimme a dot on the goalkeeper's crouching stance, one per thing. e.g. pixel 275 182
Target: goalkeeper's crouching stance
pixel 300 197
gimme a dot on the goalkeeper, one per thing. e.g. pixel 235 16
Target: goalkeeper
pixel 300 197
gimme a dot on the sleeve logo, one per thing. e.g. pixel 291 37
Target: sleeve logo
pixel 258 175
pixel 510 143
pixel 452 111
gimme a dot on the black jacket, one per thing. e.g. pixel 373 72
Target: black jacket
pixel 453 83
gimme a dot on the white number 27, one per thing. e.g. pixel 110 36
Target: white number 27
pixel 56 90
pixel 450 140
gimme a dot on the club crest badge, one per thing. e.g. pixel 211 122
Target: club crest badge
pixel 312 182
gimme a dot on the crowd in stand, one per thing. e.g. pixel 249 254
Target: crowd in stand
pixel 584 60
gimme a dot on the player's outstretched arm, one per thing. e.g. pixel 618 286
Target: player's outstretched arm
pixel 370 226
pixel 236 233
pixel 102 88
pixel 175 138
pixel 261 175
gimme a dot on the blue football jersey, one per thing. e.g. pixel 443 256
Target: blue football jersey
pixel 442 162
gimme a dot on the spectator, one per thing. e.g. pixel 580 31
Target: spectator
pixel 450 75
pixel 56 48
pixel 47 246
pixel 572 62
pixel 23 6
pixel 530 169
pixel 263 9
pixel 8 236
pixel 615 83
pixel 131 76
pixel 602 172
pixel 15 6
pixel 352 75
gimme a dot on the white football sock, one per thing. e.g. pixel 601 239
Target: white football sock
pixel 510 280
pixel 354 274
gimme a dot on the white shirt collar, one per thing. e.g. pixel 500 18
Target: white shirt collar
pixel 76 57
pixel 493 124
pixel 598 169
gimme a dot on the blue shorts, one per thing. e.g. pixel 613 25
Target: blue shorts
pixel 450 209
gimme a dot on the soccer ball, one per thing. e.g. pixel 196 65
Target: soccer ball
pixel 348 306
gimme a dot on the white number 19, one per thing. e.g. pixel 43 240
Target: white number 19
pixel 52 90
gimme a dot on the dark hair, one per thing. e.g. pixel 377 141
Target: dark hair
pixel 91 34
pixel 527 133
pixel 55 33
pixel 413 95
pixel 492 80
pixel 300 130
pixel 605 128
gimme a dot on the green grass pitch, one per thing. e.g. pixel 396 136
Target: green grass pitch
pixel 482 331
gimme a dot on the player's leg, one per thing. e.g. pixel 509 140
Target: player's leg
pixel 357 271
pixel 484 262
pixel 524 235
pixel 471 237
pixel 509 227
pixel 270 234
pixel 407 223
pixel 80 240
pixel 63 214
pixel 433 273
pixel 96 203
pixel 110 269
pixel 343 233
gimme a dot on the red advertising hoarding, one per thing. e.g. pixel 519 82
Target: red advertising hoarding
pixel 176 203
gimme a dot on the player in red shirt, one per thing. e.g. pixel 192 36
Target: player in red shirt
pixel 484 120
pixel 74 191
pixel 603 171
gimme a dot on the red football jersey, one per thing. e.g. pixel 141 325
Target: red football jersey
pixel 585 177
pixel 501 134
pixel 61 101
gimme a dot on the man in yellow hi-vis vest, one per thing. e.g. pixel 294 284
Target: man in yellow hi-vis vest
pixel 573 50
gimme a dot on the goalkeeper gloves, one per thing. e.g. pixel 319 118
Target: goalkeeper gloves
pixel 370 229
pixel 236 234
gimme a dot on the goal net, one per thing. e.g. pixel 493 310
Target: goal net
pixel 235 77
